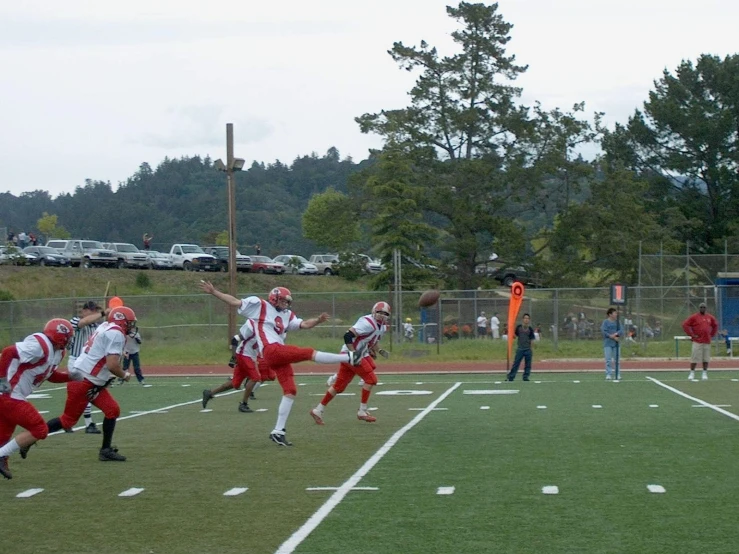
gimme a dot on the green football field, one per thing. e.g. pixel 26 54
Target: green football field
pixel 455 464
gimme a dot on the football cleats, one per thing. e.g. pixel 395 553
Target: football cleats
pixel 124 317
pixel 59 331
pixel 381 312
pixel 280 293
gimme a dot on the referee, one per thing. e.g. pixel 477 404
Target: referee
pixel 84 325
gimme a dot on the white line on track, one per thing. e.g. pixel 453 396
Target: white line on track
pixel 315 520
pixel 694 399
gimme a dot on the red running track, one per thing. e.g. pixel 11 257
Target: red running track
pixel 496 366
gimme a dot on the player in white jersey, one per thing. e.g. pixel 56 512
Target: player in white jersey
pixel 245 366
pixel 273 320
pixel 364 335
pixel 24 366
pixel 98 365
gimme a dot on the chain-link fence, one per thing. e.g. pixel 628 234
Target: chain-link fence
pixel 651 314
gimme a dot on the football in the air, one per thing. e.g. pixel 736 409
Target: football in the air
pixel 429 298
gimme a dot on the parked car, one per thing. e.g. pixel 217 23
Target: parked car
pixel 158 260
pixel 325 263
pixel 86 252
pixel 506 276
pixel 12 255
pixel 370 265
pixel 265 264
pixel 47 256
pixel 127 254
pixel 297 264
pixel 243 263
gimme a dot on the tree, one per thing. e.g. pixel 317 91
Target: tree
pixel 330 220
pixel 49 228
pixel 684 143
pixel 480 157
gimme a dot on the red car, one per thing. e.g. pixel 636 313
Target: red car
pixel 265 264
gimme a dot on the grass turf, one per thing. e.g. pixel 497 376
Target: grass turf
pixel 498 459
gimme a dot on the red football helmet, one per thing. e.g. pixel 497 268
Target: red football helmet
pixel 59 331
pixel 124 317
pixel 381 312
pixel 280 293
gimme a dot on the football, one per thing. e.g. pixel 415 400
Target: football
pixel 429 298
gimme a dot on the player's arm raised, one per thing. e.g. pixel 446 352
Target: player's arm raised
pixel 208 287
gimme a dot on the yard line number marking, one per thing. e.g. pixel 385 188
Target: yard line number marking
pixel 315 520
pixel 694 399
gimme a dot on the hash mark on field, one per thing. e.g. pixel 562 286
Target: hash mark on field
pixel 445 490
pixel 550 489
pixel 654 405
pixel 235 491
pixel 575 381
pixel 694 399
pixel 29 493
pixel 484 407
pixel 133 491
pixel 597 406
pixel 38 395
pixel 337 488
pixel 185 385
pixel 203 411
pixel 296 539
pixel 657 489
pixel 541 407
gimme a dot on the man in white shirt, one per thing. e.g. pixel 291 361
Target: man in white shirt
pixel 495 326
pixel 482 326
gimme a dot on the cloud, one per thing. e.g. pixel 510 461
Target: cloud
pixel 204 125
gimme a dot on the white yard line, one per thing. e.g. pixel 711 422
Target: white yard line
pixel 694 399
pixel 315 520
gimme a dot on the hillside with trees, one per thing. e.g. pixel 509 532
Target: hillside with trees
pixel 466 170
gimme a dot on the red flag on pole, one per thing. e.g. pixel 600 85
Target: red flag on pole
pixel 517 290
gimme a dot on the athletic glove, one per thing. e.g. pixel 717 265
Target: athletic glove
pixel 383 353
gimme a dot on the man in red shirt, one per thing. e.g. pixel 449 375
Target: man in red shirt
pixel 701 328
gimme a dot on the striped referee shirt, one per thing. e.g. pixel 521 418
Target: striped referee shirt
pixel 81 336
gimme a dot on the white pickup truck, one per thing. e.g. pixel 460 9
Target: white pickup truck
pixel 191 257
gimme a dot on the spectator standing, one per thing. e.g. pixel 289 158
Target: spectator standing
pixel 147 241
pixel 22 240
pixel 524 351
pixel 131 352
pixel 482 326
pixel 11 238
pixel 364 336
pixel 701 327
pixel 90 317
pixel 24 366
pixel 611 331
pixel 724 334
pixel 258 249
pixel 495 326
pixel 32 239
pixel 273 319
pixel 408 330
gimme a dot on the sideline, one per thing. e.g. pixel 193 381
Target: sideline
pixel 694 399
pixel 315 520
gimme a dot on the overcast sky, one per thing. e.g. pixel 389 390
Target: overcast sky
pixel 91 89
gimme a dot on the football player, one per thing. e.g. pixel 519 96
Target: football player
pixel 273 318
pixel 24 366
pixel 363 336
pixel 98 365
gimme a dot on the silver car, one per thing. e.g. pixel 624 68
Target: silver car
pixel 297 264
